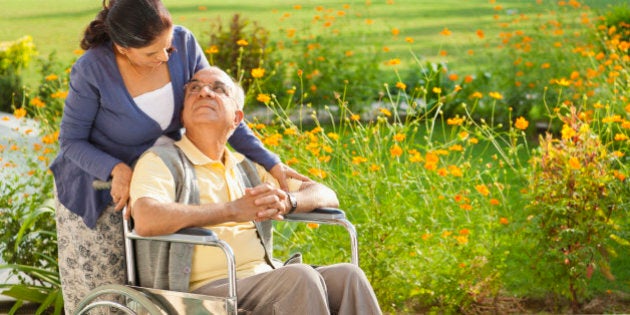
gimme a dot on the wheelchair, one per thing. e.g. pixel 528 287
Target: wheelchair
pixel 133 299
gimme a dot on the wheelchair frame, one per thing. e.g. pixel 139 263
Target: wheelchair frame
pixel 157 301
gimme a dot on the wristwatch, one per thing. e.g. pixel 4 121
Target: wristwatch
pixel 293 202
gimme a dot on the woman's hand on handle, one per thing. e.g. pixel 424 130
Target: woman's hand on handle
pixel 121 178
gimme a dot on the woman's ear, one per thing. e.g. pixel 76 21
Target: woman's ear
pixel 120 49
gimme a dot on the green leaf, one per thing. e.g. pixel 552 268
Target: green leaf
pixel 52 298
pixel 25 292
pixel 28 223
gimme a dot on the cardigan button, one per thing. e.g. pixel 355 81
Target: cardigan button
pixel 187 270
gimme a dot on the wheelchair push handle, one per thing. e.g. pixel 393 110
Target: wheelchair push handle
pixel 101 184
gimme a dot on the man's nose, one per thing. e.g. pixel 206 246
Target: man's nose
pixel 206 90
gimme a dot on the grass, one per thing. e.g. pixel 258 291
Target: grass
pixel 56 26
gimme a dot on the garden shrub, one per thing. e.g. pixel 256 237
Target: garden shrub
pixel 577 199
pixel 14 56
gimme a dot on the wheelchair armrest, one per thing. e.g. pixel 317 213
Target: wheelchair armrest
pixel 194 235
pixel 318 215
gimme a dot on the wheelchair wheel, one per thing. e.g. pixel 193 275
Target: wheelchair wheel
pixel 135 302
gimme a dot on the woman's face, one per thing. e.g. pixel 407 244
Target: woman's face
pixel 153 55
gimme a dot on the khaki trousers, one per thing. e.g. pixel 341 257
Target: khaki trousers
pixel 302 289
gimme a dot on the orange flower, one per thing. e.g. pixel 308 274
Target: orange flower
pixel 446 32
pixel 374 167
pixel 395 31
pixel 51 77
pixel 355 117
pixel 495 202
pixel 37 102
pixel 480 34
pixel 395 150
pixel 242 42
pixel 212 50
pixel 521 123
pixel 457 121
pixel 318 173
pixel 504 221
pixel 399 137
pixel 258 73
pixel 574 163
pixel 482 189
pixel 401 85
pixel 393 62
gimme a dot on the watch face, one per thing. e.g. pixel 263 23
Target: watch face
pixel 293 202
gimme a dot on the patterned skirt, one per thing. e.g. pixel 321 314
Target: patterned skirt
pixel 88 258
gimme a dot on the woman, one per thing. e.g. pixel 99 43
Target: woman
pixel 125 95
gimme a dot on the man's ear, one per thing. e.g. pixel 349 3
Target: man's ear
pixel 238 117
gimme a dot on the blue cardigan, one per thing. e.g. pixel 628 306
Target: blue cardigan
pixel 102 125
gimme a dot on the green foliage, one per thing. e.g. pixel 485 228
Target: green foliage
pixel 14 56
pixel 576 203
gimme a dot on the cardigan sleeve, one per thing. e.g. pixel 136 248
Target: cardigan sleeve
pixel 80 110
pixel 245 142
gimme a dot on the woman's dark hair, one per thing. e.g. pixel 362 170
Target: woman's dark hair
pixel 128 23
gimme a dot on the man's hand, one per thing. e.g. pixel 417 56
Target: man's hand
pixel 260 203
pixel 282 172
pixel 121 178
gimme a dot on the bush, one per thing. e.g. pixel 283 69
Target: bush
pixel 14 56
pixel 577 197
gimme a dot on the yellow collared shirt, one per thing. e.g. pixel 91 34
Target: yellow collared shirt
pixel 218 183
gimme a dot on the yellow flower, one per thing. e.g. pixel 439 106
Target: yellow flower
pixel 263 98
pixel 476 95
pixel 395 150
pixel 51 77
pixel 446 32
pixel 385 112
pixel 401 85
pixel 620 137
pixel 496 95
pixel 242 42
pixel 212 49
pixel 19 113
pixel 437 90
pixel 358 160
pixel 457 121
pixel 395 31
pixel 258 73
pixel 333 136
pixel 521 123
pixel 409 40
pixel 374 167
pixel 355 117
pixel 567 132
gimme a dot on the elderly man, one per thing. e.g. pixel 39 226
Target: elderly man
pixel 212 194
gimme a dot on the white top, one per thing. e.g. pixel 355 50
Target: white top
pixel 159 105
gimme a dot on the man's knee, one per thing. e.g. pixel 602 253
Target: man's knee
pixel 303 275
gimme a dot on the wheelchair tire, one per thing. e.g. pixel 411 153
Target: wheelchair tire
pixel 120 290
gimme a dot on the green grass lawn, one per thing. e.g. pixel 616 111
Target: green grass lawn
pixel 56 26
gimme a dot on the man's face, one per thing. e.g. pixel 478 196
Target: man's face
pixel 209 99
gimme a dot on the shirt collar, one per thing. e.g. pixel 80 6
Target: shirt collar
pixel 197 157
